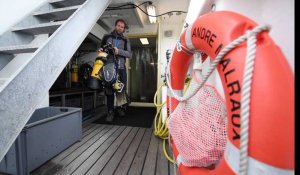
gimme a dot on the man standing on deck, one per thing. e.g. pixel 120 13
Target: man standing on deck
pixel 122 51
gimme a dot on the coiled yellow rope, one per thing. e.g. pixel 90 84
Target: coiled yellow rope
pixel 160 128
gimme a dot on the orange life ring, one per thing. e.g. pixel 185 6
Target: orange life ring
pixel 271 134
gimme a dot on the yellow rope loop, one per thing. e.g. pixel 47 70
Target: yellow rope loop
pixel 160 127
pixel 166 154
pixel 155 96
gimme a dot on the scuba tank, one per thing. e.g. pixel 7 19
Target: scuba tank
pixel 75 70
pixel 94 82
pixel 74 73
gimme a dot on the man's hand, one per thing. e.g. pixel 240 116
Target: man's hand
pixel 100 50
pixel 116 50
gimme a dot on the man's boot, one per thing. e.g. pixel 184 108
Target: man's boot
pixel 110 116
pixel 121 111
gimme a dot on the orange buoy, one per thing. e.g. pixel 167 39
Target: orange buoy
pixel 271 120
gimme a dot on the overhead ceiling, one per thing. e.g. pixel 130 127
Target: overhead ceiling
pixel 135 18
pixel 109 17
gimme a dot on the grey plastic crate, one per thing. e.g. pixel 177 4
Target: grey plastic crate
pixel 49 131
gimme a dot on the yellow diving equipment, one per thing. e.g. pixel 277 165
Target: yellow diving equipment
pixel 96 69
pixel 94 82
pixel 74 73
pixel 118 86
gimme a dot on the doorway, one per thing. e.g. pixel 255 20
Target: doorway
pixel 142 71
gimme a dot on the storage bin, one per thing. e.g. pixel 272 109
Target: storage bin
pixel 48 132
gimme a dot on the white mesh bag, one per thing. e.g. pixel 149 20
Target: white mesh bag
pixel 198 128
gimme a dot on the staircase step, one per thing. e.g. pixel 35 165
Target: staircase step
pixel 18 49
pixel 66 3
pixel 14 66
pixel 58 14
pixel 44 28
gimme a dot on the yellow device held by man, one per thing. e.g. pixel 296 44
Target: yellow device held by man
pixel 95 76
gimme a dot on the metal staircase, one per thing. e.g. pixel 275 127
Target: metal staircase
pixel 32 55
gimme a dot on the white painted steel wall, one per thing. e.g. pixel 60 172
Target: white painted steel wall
pixel 165 43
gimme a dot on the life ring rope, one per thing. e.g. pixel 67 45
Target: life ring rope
pixel 250 36
pixel 245 97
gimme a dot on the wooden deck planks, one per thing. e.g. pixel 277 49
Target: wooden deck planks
pixel 108 149
pixel 103 153
pixel 90 130
pixel 113 163
pixel 118 147
pixel 127 159
pixel 150 162
pixel 161 161
pixel 90 155
pixel 139 159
